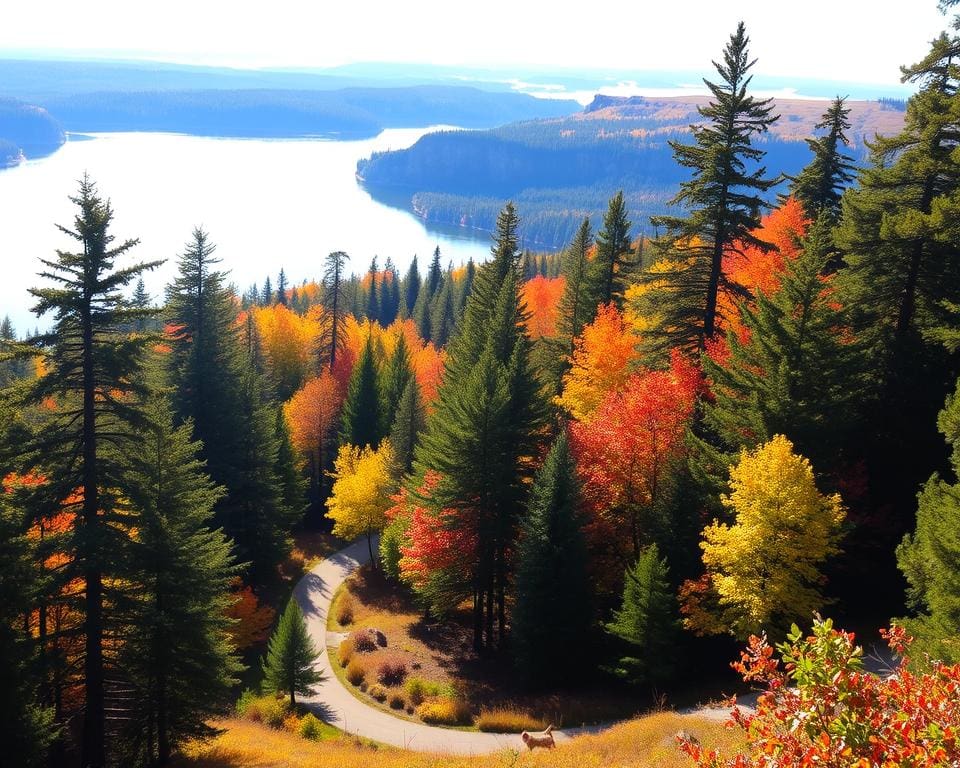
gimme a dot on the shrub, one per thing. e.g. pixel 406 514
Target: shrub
pixel 397 701
pixel 247 698
pixel 508 720
pixel 445 711
pixel 356 672
pixel 291 723
pixel 364 641
pixel 419 690
pixel 344 613
pixel 310 728
pixel 268 710
pixel 392 670
pixel 363 686
pixel 345 651
pixel 378 692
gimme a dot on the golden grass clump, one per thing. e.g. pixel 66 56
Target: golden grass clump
pixel 397 701
pixel 508 720
pixel 356 672
pixel 445 711
pixel 345 651
pixel 345 609
pixel 377 692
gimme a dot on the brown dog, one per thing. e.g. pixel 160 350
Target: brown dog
pixel 543 739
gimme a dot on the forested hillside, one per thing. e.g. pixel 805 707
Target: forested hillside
pixel 27 129
pixel 560 170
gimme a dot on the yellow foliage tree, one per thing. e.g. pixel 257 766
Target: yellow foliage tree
pixel 362 486
pixel 765 568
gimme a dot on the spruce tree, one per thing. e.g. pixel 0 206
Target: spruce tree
pixel 553 598
pixel 177 651
pixel 442 315
pixel 389 294
pixel 408 423
pixel 930 556
pixel 282 287
pixel 421 314
pixel 820 184
pixel 362 424
pixel 335 306
pixel 724 199
pixel 577 306
pixel 93 368
pixel 434 275
pixel 411 290
pixel 293 484
pixel 463 293
pixel 290 666
pixel 395 376
pixel 266 299
pixel 482 434
pixel 613 250
pixel 372 310
pixel 647 621
pixel 796 372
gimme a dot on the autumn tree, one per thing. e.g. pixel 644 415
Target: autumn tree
pixel 94 372
pixel 647 622
pixel 177 650
pixel 724 199
pixel 930 556
pixel 765 566
pixel 821 183
pixel 334 308
pixel 362 485
pixel 290 665
pixel 602 357
pixel 553 601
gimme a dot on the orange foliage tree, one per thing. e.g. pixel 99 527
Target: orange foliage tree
pixel 601 363
pixel 288 342
pixel 252 619
pixel 541 296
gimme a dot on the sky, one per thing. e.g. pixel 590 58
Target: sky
pixel 848 40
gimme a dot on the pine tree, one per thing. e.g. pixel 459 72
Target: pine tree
pixel 362 422
pixel 577 307
pixel 434 275
pixel 266 299
pixel 282 287
pixel 290 666
pixel 820 184
pixel 442 317
pixel 372 310
pixel 648 620
pixel 408 423
pixel 390 294
pixel 395 376
pixel 142 302
pixel 613 246
pixel 177 651
pixel 94 370
pixel 930 556
pixel 796 373
pixel 483 432
pixel 553 600
pixel 335 307
pixel 421 314
pixel 293 485
pixel 464 291
pixel 411 290
pixel 724 198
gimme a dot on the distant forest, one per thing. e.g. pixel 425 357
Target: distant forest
pixel 560 170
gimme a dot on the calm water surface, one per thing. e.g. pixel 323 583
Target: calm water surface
pixel 267 204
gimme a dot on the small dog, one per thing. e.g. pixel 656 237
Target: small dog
pixel 543 739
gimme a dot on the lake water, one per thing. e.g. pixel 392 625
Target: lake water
pixel 267 204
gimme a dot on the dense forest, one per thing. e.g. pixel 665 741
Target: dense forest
pixel 559 170
pixel 716 430
pixel 26 130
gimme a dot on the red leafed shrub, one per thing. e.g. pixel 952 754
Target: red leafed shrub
pixel 822 709
pixel 392 670
pixel 364 641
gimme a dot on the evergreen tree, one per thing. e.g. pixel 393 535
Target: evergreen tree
pixel 930 556
pixel 577 306
pixel 796 372
pixel 177 651
pixel 434 275
pixel 820 184
pixel 394 378
pixel 372 310
pixel 647 620
pixel 408 423
pixel 464 291
pixel 282 287
pixel 293 485
pixel 295 302
pixel 411 290
pixel 482 433
pixel 552 612
pixel 724 198
pixel 142 302
pixel 613 245
pixel 94 371
pixel 362 422
pixel 336 304
pixel 442 316
pixel 390 294
pixel 266 300
pixel 290 666
pixel 421 314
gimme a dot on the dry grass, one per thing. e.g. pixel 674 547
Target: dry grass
pixel 508 720
pixel 356 672
pixel 445 711
pixel 642 743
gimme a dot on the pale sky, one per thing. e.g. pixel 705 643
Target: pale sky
pixel 851 40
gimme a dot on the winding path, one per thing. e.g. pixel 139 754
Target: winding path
pixel 339 707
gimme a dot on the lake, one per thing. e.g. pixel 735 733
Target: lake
pixel 267 204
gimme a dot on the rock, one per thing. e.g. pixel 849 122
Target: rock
pixel 686 736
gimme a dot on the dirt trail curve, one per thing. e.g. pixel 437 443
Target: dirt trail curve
pixel 341 708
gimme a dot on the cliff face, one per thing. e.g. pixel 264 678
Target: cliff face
pixel 28 130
